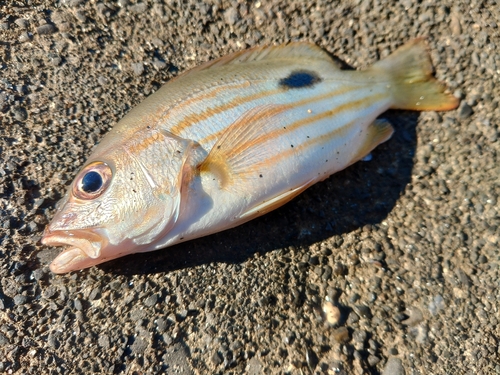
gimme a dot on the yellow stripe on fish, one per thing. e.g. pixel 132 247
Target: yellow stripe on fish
pixel 226 157
pixel 296 104
pixel 231 140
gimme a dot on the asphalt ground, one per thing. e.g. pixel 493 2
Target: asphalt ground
pixel 402 251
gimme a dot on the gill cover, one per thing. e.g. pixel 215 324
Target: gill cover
pixel 157 160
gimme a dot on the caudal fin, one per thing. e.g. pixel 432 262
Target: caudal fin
pixel 412 82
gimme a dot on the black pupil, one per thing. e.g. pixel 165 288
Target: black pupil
pixel 91 182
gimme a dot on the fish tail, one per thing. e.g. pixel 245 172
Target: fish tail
pixel 412 81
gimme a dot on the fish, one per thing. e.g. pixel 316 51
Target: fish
pixel 231 140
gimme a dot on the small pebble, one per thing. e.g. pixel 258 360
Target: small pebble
pixel 158 64
pixel 161 325
pixel 332 313
pixel 352 318
pixel 393 351
pixel 74 3
pixel 157 42
pixel 314 260
pixel 65 27
pixel 95 294
pixel 38 274
pixel 102 80
pixel 115 285
pixel 231 16
pixel 138 8
pixel 104 341
pixel 236 345
pixel 103 11
pixel 139 345
pixel 373 360
pixel 46 29
pixel 3 340
pixel 32 227
pixel 151 300
pixel 339 269
pixel 138 68
pixel 458 94
pixel 456 28
pixel 50 292
pixel 394 366
pixel 436 305
pixel 216 359
pixel 78 304
pixel 183 314
pixel 20 299
pixel 341 335
pixel 399 317
pixel 368 157
pixel 56 61
pixel 53 342
pixel 355 297
pixel 415 316
pixel 25 37
pixel 22 23
pixel 363 311
pixel 359 336
pixel 80 16
pixel 20 113
pixel 289 338
pixel 311 359
pixel 464 110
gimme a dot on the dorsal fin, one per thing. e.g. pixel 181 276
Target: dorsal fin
pixel 291 51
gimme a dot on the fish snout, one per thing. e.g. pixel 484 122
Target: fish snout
pixel 84 249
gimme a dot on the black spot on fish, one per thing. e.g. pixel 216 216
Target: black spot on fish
pixel 299 79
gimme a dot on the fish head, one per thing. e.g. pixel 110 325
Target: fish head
pixel 121 202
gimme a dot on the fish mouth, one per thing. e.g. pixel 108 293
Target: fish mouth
pixel 84 249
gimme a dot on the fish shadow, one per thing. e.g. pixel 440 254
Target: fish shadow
pixel 360 195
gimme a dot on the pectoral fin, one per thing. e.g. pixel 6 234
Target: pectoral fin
pixel 244 145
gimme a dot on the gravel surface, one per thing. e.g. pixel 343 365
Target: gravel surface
pixel 390 267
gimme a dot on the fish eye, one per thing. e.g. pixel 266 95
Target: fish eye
pixel 92 181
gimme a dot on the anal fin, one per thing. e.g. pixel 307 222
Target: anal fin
pixel 378 132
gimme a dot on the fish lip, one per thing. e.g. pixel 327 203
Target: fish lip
pixel 89 242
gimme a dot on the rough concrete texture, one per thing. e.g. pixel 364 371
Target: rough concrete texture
pixel 405 246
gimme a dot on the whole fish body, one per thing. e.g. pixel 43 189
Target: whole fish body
pixel 229 141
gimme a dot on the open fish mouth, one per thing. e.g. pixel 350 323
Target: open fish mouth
pixel 84 249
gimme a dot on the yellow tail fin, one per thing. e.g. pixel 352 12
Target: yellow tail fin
pixel 412 82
